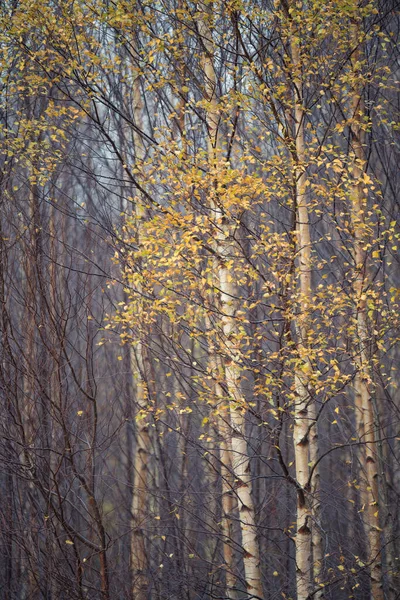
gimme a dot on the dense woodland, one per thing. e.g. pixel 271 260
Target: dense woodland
pixel 199 300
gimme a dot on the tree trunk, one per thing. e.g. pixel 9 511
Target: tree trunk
pixel 364 401
pixel 228 305
pixel 141 481
pixel 317 538
pixel 228 501
pixel 303 412
pixel 140 373
pixel 240 458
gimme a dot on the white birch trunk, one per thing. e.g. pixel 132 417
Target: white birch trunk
pixel 317 538
pixel 233 374
pixel 240 458
pixel 141 480
pixel 139 561
pixel 228 503
pixel 364 403
pixel 302 417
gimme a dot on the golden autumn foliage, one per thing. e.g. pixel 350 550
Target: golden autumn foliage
pixel 247 149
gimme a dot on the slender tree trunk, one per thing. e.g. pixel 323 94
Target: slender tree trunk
pixel 240 457
pixel 364 400
pixel 30 369
pixel 5 352
pixel 228 501
pixel 139 560
pixel 228 305
pixel 303 413
pixel 387 478
pixel 141 481
pixel 317 538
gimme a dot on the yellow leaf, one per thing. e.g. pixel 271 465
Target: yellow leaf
pixel 366 178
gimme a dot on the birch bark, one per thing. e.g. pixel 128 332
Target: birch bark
pixel 228 304
pixel 302 416
pixel 139 561
pixel 364 402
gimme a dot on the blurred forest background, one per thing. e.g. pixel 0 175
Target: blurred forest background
pixel 199 300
